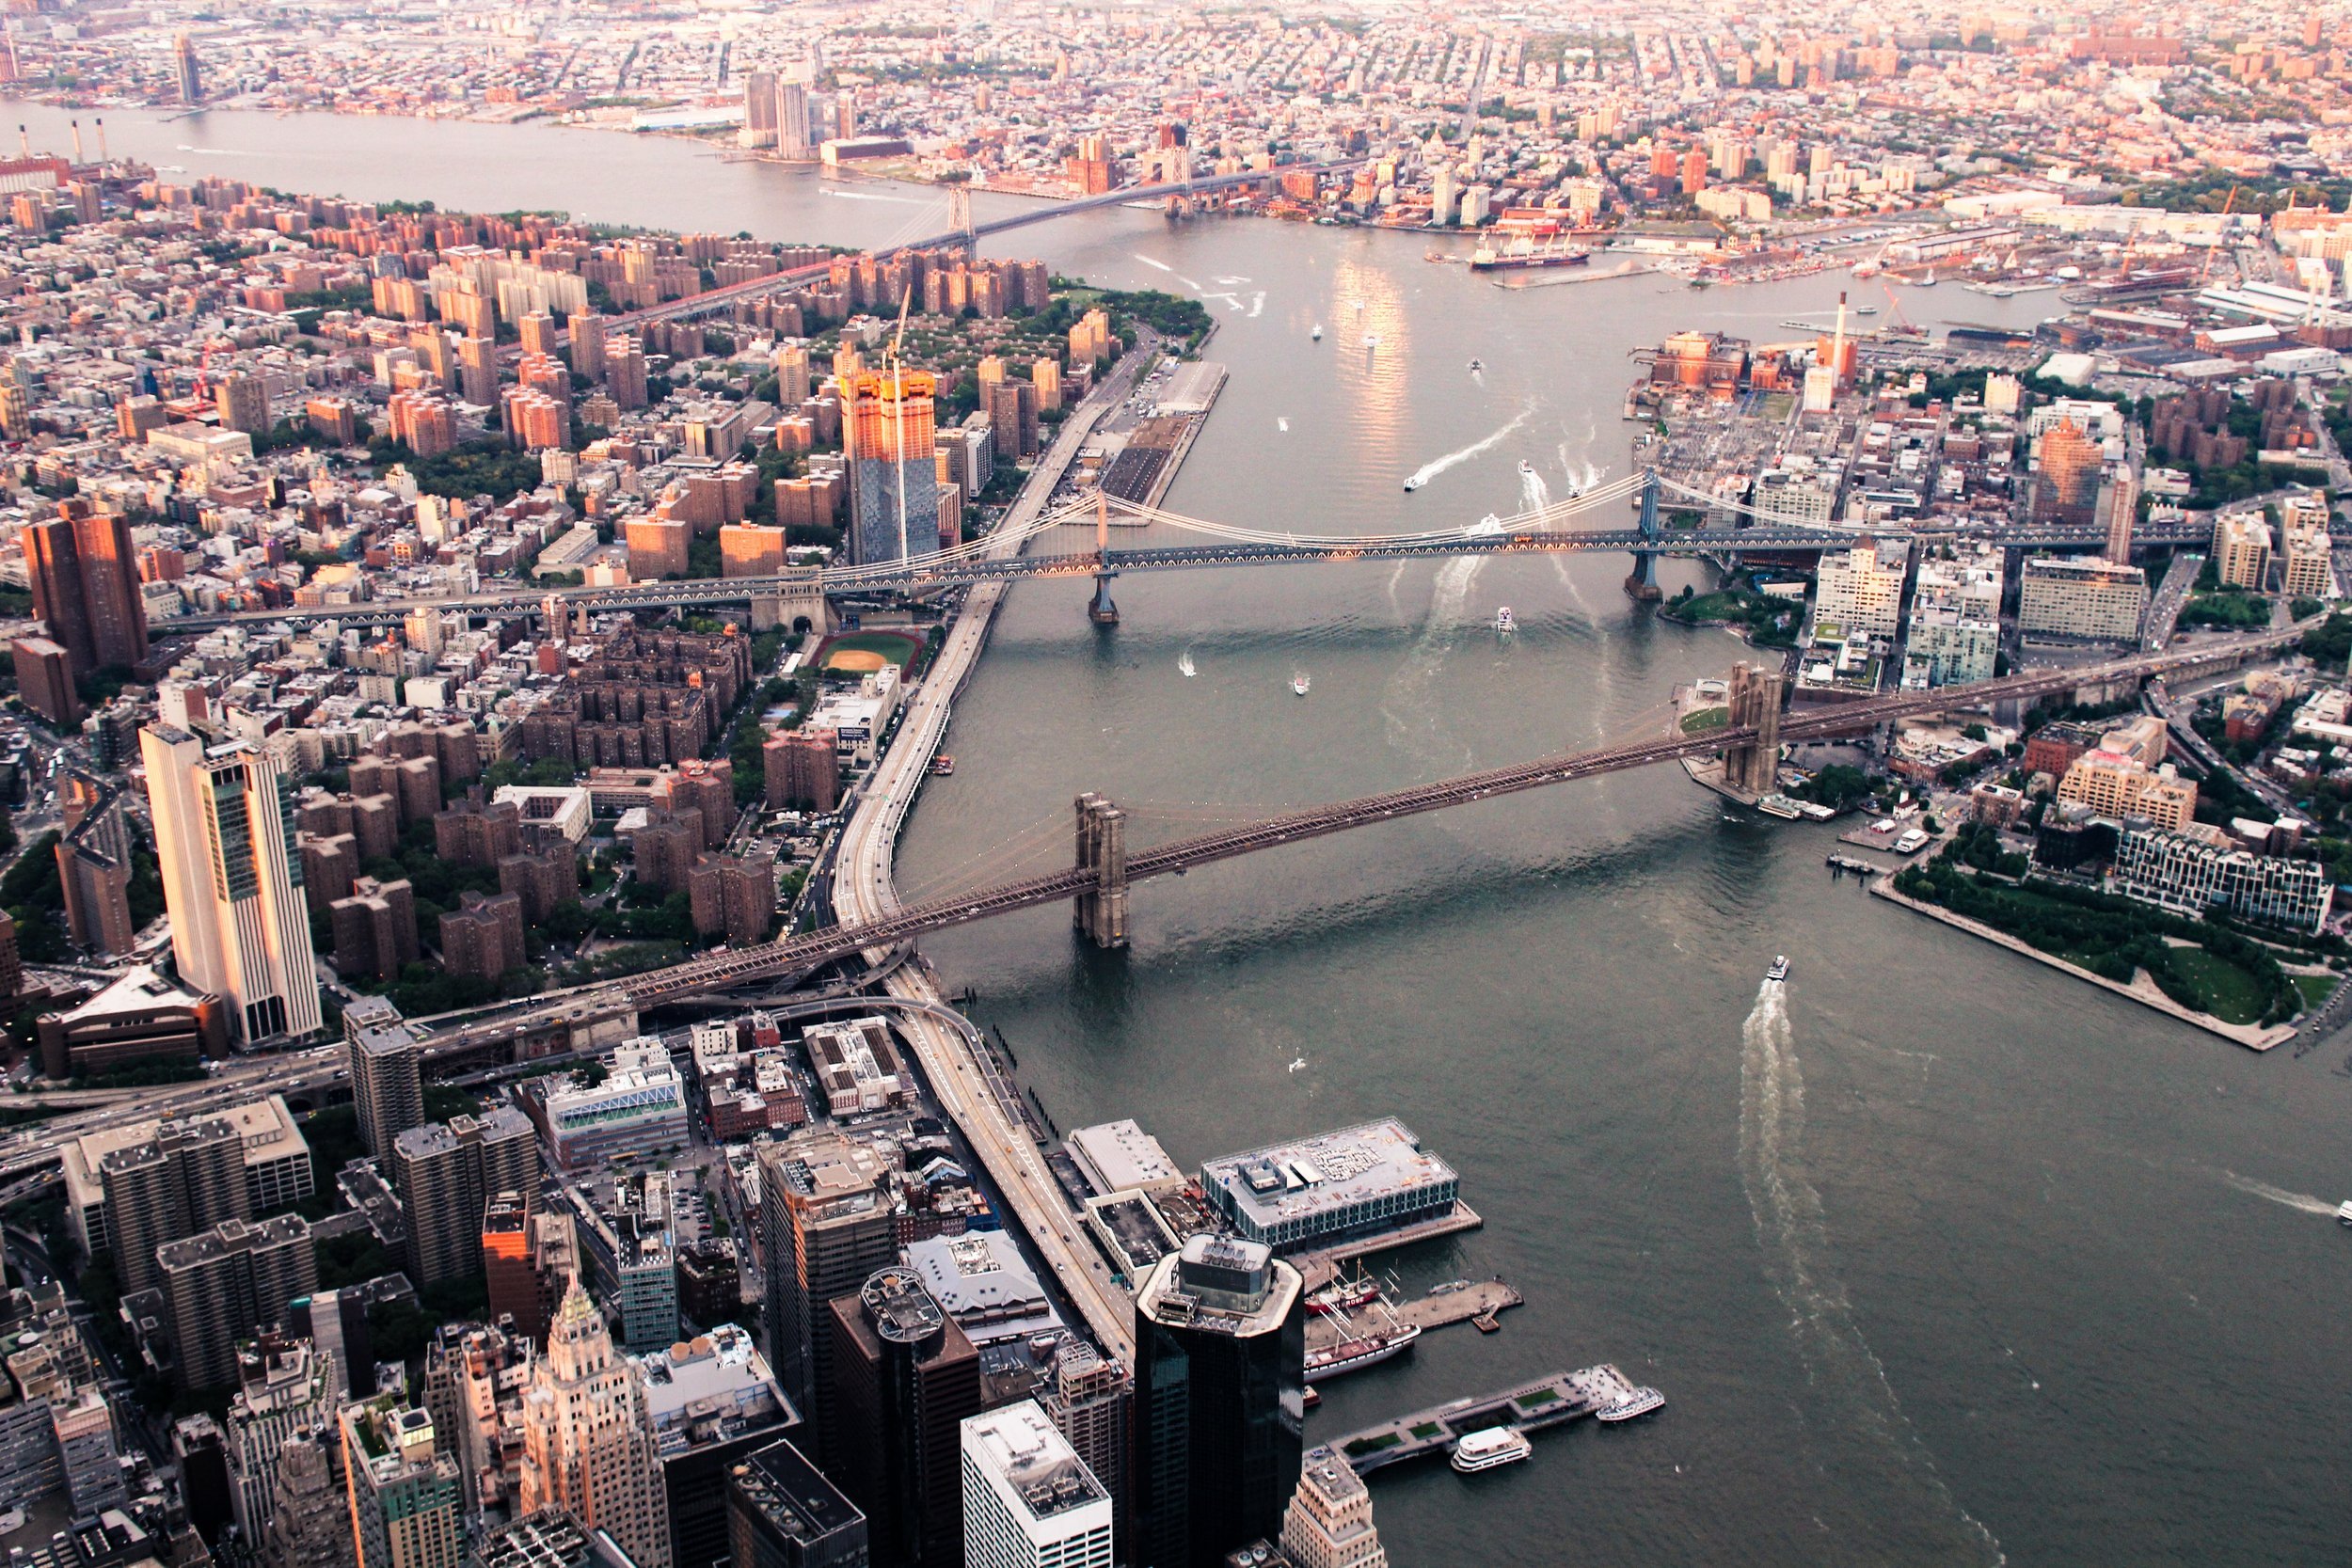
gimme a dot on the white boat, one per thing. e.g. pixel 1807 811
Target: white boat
pixel 1635 1401
pixel 1504 621
pixel 1527 468
pixel 1371 340
pixel 1779 969
pixel 1491 1448
pixel 1866 309
pixel 1298 684
pixel 1355 1355
pixel 1780 806
pixel 2344 1212
pixel 1413 485
pixel 1317 333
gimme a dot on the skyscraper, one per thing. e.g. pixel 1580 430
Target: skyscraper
pixel 759 108
pixel 310 1522
pixel 894 467
pixel 825 1225
pixel 1028 1499
pixel 1328 1524
pixel 782 1514
pixel 287 1389
pixel 242 403
pixel 406 1510
pixel 85 586
pixel 1220 1387
pixel 183 68
pixel 793 118
pixel 224 832
pixel 387 1086
pixel 587 1445
pixel 188 1177
pixel 904 1379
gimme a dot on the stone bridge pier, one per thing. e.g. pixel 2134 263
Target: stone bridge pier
pixel 1100 913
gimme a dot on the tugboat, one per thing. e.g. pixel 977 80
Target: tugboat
pixel 1504 624
pixel 1779 969
pixel 1491 1447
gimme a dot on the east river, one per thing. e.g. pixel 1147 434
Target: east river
pixel 1942 1258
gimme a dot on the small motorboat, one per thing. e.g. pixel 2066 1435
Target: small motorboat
pixel 1298 684
pixel 2344 1212
pixel 1413 484
pixel 1317 333
pixel 1527 469
pixel 1477 365
pixel 1505 624
pixel 1371 340
pixel 1779 969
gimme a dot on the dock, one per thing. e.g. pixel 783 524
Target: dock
pixel 1321 1268
pixel 1552 1400
pixel 1840 864
pixel 1478 1302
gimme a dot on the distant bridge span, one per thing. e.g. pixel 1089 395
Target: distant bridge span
pixel 796 956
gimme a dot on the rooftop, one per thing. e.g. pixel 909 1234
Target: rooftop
pixel 1291 1181
pixel 1019 1444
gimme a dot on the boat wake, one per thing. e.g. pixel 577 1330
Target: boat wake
pixel 1414 717
pixel 1184 663
pixel 2301 1202
pixel 1850 1385
pixel 874 196
pixel 1534 493
pixel 1150 262
pixel 1430 470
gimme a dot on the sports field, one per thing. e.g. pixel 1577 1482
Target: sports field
pixel 859 653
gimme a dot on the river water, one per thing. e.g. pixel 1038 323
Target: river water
pixel 1938 1256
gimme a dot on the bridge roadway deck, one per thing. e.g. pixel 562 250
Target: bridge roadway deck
pixel 900 924
pixel 1012 568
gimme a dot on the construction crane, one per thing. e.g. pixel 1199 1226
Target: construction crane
pixel 2206 271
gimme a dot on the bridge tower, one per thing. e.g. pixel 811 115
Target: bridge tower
pixel 796 596
pixel 1642 583
pixel 1100 611
pixel 1100 913
pixel 960 214
pixel 1756 694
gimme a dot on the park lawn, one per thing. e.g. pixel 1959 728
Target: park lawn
pixel 1705 720
pixel 2223 989
pixel 1713 606
pixel 2316 988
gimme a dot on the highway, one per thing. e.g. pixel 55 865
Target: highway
pixel 865 892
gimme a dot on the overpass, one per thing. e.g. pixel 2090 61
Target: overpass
pixel 1097 884
pixel 989 559
pixel 728 294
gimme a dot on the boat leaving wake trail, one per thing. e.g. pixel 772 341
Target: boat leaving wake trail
pixel 1849 1392
pixel 2302 1202
pixel 1430 470
pixel 1150 261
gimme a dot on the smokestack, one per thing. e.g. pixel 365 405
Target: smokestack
pixel 77 143
pixel 1838 340
pixel 24 142
pixel 102 142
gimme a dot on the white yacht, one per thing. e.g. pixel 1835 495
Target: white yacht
pixel 1489 1449
pixel 1505 623
pixel 1298 684
pixel 2344 1212
pixel 1779 969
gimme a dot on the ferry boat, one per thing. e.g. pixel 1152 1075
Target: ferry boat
pixel 1298 684
pixel 1779 969
pixel 1490 1449
pixel 1635 1401
pixel 1522 253
pixel 1505 623
pixel 1367 1349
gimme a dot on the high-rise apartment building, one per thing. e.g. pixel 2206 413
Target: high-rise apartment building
pixel 85 589
pixel 588 1446
pixel 1328 1523
pixel 219 1287
pixel 1091 1402
pixel 242 402
pixel 2067 469
pixel 894 474
pixel 530 1256
pixel 224 836
pixel 1028 1499
pixel 44 679
pixel 186 1178
pixel 406 1508
pixel 904 1379
pixel 1861 590
pixel 185 70
pixel 759 108
pixel 2241 550
pixel 825 1226
pixel 1221 1373
pixel 447 1173
pixel 2083 598
pixel 387 1085
pixel 792 120
pixel 782 1512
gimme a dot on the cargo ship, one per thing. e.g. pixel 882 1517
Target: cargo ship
pixel 1522 253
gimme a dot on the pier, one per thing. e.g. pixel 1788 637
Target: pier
pixel 1478 1302
pixel 1552 1400
pixel 1320 1268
